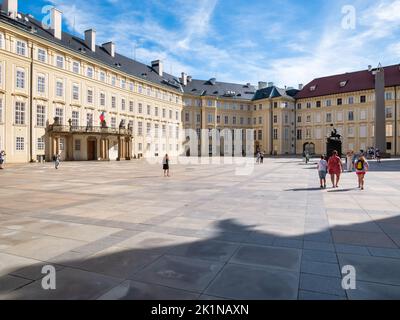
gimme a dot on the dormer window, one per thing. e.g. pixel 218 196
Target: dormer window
pixel 343 84
pixel 312 88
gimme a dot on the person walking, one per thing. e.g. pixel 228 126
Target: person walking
pixel 262 156
pixel 349 161
pixel 361 167
pixel 258 157
pixel 57 159
pixel 335 168
pixel 322 171
pixel 166 166
pixel 2 159
pixel 378 155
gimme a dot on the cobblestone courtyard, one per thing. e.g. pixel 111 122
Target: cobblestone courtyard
pixel 123 231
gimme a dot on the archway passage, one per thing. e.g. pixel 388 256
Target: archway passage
pixel 309 148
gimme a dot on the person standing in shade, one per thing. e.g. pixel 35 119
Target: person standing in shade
pixel 2 158
pixel 322 171
pixel 362 167
pixel 335 168
pixel 166 166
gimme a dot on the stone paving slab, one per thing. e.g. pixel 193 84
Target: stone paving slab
pixel 120 230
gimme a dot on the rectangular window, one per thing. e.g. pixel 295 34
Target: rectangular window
pixel 389 130
pixel 102 77
pixel 363 115
pixel 351 116
pixel 148 129
pixel 20 79
pixel 113 102
pixel 148 110
pixel 131 106
pixel 90 96
pixel 389 113
pixel 21 48
pixel 40 144
pixel 123 84
pixel 140 128
pixel 388 95
pixel 113 81
pixel 187 117
pixel 308 105
pixel 140 108
pixel 75 92
pixel 89 72
pixel 339 101
pixel 42 55
pixel 329 117
pixel 275 134
pixel 123 104
pixel 77 145
pixel 351 100
pixel 259 134
pixel 75 118
pixel 40 116
pixel 176 115
pixel 89 119
pixel 299 106
pixel 102 99
pixel 328 103
pixel 113 122
pixel 275 119
pixel 75 67
pixel 299 134
pixel 363 99
pixel 60 62
pixel 59 89
pixel 41 84
pixel 20 143
pixel 170 114
pixel 156 111
pixel 226 119
pixel 318 105
pixel 20 113
pixel 60 114
pixel 164 114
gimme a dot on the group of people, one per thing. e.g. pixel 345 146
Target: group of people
pixel 334 167
pixel 2 158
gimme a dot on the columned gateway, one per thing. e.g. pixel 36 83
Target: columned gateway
pixel 88 143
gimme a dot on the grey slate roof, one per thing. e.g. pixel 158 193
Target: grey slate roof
pixel 139 70
pixel 220 89
pixel 119 62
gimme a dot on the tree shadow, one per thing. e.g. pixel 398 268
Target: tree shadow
pixel 234 261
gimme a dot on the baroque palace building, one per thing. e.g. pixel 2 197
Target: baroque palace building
pixel 55 90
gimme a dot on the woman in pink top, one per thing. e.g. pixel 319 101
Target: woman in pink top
pixel 335 168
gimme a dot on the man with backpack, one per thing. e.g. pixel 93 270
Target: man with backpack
pixel 362 167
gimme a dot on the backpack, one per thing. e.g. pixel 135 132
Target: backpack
pixel 360 165
pixel 54 158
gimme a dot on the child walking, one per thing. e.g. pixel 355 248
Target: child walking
pixel 362 167
pixel 322 171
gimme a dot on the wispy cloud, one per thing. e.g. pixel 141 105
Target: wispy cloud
pixel 286 41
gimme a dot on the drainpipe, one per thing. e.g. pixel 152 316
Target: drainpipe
pixel 395 120
pixel 31 109
pixel 271 122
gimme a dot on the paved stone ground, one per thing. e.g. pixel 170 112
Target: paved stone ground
pixel 122 231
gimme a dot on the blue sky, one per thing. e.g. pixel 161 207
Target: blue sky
pixel 287 41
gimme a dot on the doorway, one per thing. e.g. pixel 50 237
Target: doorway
pixel 91 150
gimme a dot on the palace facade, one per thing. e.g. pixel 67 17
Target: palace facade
pixel 63 94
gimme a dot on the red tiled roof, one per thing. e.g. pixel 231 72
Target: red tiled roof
pixel 356 81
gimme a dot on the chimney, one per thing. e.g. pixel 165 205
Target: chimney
pixel 189 79
pixel 110 48
pixel 90 39
pixel 184 79
pixel 301 86
pixel 10 7
pixel 262 85
pixel 270 84
pixel 157 65
pixel 56 23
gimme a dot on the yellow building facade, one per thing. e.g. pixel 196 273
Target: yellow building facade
pixel 60 94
